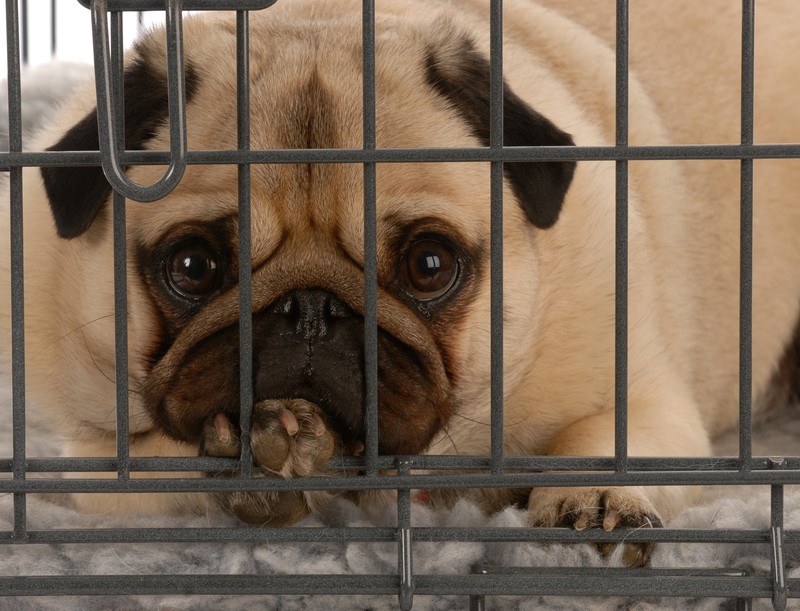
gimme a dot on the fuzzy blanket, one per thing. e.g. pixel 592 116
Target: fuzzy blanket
pixel 43 88
pixel 746 508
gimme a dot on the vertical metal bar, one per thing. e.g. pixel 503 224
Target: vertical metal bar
pixel 53 25
pixel 370 244
pixel 120 259
pixel 17 269
pixel 746 244
pixel 778 565
pixel 405 560
pixel 245 245
pixel 477 602
pixel 496 231
pixel 621 255
pixel 117 79
pixel 121 334
pixel 25 37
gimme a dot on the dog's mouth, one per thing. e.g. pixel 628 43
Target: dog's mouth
pixel 315 358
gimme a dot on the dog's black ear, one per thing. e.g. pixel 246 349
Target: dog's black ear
pixel 460 74
pixel 77 194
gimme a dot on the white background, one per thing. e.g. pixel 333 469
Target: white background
pixel 73 31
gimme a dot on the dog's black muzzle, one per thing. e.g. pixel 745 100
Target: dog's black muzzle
pixel 309 345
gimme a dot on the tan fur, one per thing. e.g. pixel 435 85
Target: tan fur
pixel 559 290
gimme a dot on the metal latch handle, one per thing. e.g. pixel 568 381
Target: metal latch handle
pixel 112 143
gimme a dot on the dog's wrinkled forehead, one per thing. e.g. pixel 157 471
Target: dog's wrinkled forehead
pixel 300 98
pixel 306 92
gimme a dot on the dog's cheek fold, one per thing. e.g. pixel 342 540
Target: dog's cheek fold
pixel 464 81
pixel 77 194
pixel 180 398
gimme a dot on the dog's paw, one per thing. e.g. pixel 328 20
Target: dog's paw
pixel 608 508
pixel 288 438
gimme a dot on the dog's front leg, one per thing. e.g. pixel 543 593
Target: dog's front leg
pixel 149 444
pixel 288 438
pixel 669 427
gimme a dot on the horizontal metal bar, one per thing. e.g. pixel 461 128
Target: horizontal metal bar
pixel 208 535
pixel 429 155
pixel 599 583
pixel 120 585
pixel 387 462
pixel 578 571
pixel 387 535
pixel 424 481
pixel 596 583
pixel 188 5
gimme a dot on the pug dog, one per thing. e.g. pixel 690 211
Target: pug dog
pixel 433 250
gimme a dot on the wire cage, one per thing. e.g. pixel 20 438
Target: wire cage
pixel 400 473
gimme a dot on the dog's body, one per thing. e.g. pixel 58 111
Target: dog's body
pixel 434 363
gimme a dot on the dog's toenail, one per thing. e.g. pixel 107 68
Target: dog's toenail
pixel 223 427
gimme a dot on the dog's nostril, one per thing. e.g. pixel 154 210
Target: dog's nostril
pixel 284 305
pixel 336 308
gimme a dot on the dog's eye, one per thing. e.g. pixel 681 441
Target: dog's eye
pixel 428 270
pixel 193 271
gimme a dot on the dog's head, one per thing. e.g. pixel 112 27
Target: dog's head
pixel 308 226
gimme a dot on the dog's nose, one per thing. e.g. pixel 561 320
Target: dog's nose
pixel 312 311
pixel 308 344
